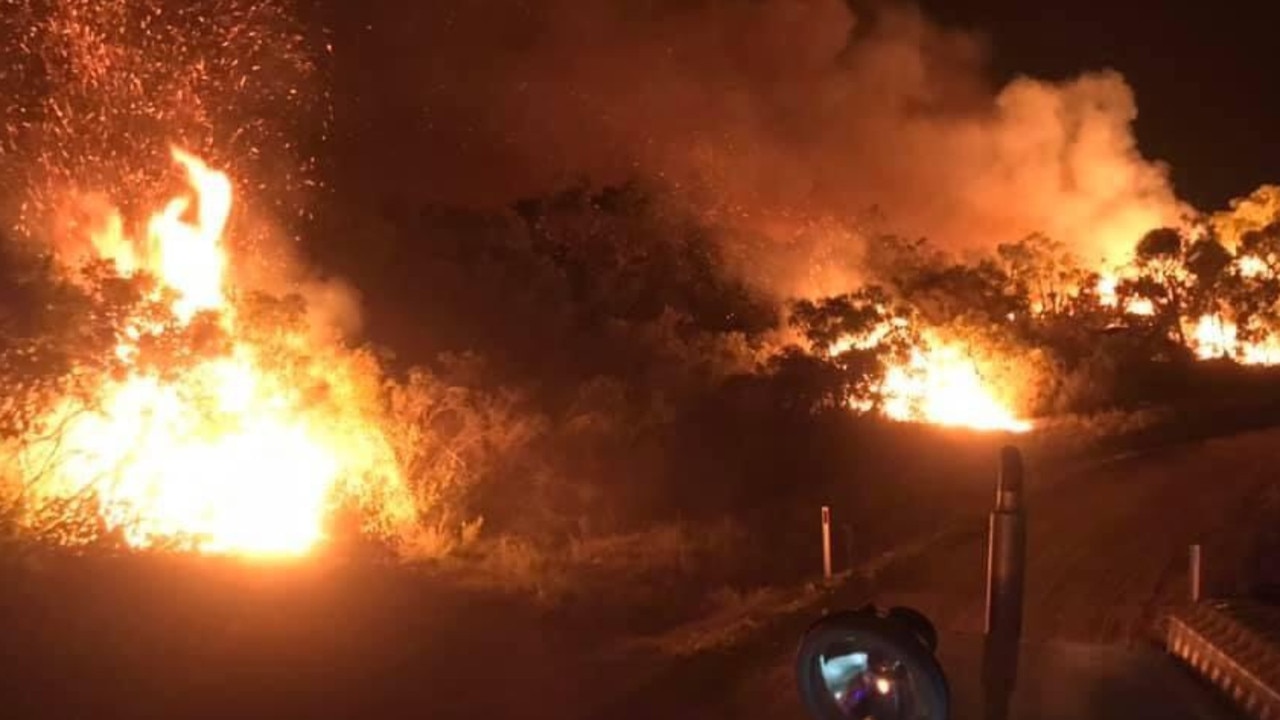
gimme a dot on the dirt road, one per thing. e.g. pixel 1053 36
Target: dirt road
pixel 1105 551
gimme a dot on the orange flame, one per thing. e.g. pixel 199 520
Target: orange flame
pixel 232 456
pixel 942 385
pixel 1216 337
pixel 939 383
pixel 1108 297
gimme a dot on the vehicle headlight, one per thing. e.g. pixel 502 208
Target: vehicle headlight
pixel 870 665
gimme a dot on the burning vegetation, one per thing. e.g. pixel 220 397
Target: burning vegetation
pixel 959 348
pixel 199 415
pixel 584 360
pixel 219 422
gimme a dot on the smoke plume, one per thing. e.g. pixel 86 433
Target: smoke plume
pixel 797 121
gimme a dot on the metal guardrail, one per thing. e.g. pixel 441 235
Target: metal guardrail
pixel 1235 646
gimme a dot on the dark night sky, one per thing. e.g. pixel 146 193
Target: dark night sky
pixel 1204 76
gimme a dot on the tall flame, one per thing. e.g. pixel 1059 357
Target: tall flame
pixel 237 454
pixel 189 256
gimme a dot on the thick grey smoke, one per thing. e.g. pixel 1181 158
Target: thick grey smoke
pixel 792 119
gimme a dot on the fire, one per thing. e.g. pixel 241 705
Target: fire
pixel 1216 337
pixel 190 257
pixel 939 383
pixel 240 452
pixel 1108 297
pixel 1252 266
pixel 942 385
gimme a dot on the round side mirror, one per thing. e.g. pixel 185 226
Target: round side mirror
pixel 870 665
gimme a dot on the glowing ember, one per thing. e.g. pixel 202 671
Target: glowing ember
pixel 240 452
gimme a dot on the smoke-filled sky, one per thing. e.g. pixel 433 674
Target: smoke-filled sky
pixel 801 122
pixel 771 113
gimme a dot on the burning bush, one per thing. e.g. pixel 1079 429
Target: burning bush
pixel 174 410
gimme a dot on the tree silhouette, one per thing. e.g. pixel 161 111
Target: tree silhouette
pixel 1162 281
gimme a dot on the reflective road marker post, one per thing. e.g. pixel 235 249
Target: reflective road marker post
pixel 826 543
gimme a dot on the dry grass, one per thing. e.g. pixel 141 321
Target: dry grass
pixel 633 569
pixel 1075 435
pixel 729 617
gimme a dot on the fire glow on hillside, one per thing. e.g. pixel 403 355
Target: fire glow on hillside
pixel 1189 287
pixel 1212 335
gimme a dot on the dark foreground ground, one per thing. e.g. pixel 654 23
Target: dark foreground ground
pixel 1107 550
pixel 179 638
pixel 124 639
